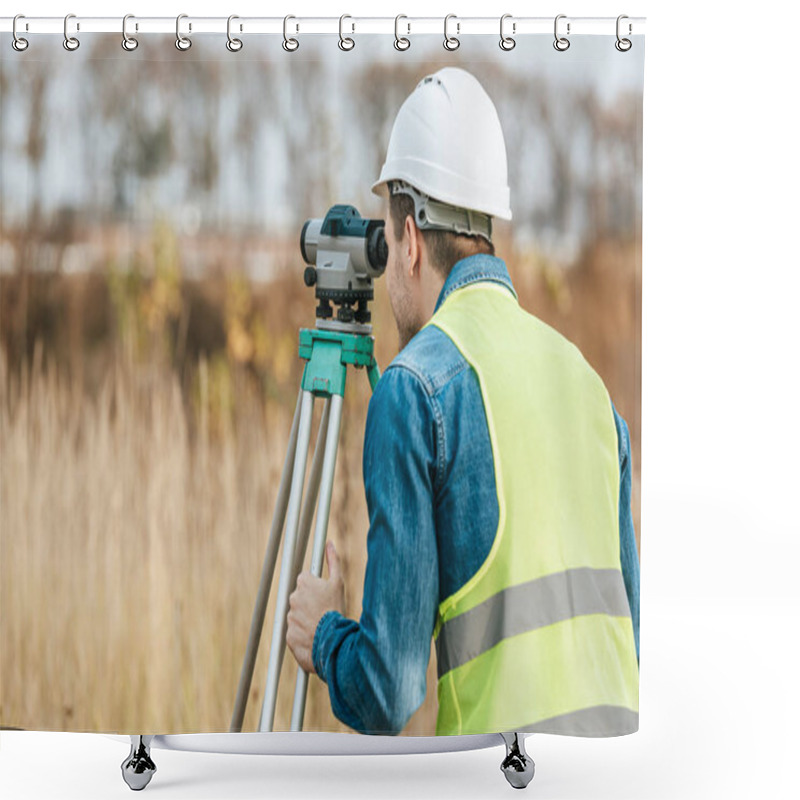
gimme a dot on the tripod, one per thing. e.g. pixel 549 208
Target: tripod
pixel 328 350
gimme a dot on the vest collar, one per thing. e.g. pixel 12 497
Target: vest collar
pixel 480 267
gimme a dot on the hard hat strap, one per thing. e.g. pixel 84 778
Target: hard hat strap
pixel 430 214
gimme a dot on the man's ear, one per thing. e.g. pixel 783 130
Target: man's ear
pixel 413 235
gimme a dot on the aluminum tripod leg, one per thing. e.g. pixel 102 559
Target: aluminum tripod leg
pixel 267 573
pixel 278 643
pixel 312 492
pixel 309 501
pixel 320 535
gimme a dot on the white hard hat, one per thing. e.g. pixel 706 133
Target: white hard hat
pixel 447 142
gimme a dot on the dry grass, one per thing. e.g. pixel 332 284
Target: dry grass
pixel 131 552
pixel 135 512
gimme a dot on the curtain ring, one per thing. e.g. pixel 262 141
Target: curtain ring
pixel 181 42
pixel 129 43
pixel 507 42
pixel 451 42
pixel 401 43
pixel 233 44
pixel 561 43
pixel 623 45
pixel 289 45
pixel 70 42
pixel 18 43
pixel 345 42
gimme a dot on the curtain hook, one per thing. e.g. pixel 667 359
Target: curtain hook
pixel 70 42
pixel 451 42
pixel 623 45
pixel 233 44
pixel 129 43
pixel 18 43
pixel 182 42
pixel 561 43
pixel 507 42
pixel 346 43
pixel 400 42
pixel 289 45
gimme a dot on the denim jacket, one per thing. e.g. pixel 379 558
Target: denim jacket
pixel 431 497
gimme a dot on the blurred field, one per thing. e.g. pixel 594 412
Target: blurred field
pixel 143 424
pixel 150 299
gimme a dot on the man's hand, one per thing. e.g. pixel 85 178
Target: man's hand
pixel 307 604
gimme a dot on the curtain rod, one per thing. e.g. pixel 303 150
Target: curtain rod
pixel 348 25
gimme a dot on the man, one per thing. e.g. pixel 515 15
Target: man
pixel 497 475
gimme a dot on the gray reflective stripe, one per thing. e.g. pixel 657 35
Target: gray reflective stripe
pixel 594 721
pixel 527 606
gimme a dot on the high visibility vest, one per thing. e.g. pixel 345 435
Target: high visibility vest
pixel 540 638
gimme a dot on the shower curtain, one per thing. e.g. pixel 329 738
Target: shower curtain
pixel 151 295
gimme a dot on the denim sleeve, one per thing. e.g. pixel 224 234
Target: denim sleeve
pixel 376 668
pixel 627 538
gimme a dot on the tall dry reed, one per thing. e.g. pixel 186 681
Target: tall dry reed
pixel 131 551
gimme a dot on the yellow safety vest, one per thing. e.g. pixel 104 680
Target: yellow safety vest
pixel 540 638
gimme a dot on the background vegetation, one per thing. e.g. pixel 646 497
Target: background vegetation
pixel 150 298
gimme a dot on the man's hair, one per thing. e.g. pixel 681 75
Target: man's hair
pixel 444 247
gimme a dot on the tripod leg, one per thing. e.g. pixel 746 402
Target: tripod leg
pixel 312 492
pixel 267 574
pixel 278 644
pixel 320 534
pixel 374 374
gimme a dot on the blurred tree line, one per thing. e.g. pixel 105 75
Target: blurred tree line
pixel 130 149
pixel 235 136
